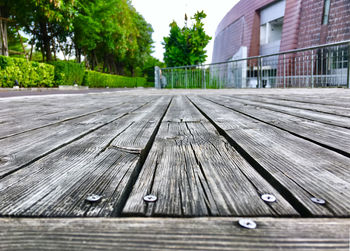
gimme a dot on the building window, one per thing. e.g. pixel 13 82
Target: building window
pixel 327 5
pixel 271 31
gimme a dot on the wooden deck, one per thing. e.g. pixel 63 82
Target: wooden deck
pixel 207 155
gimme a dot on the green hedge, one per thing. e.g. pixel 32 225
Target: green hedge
pixel 28 74
pixel 68 73
pixel 95 79
pixel 34 74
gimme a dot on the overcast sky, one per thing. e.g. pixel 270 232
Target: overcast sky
pixel 160 13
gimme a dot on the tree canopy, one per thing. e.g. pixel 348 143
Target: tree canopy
pixel 110 35
pixel 186 46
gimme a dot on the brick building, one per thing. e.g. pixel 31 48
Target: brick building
pixel 259 27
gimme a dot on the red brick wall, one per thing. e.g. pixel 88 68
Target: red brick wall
pixel 302 25
pixel 339 21
pixel 290 30
pixel 231 35
pixel 312 32
pixel 247 9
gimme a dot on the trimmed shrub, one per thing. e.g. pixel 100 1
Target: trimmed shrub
pixel 68 73
pixel 28 74
pixel 95 79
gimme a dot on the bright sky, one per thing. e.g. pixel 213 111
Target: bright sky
pixel 160 13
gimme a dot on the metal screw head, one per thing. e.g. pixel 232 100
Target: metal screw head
pixel 268 198
pixel 150 198
pixel 318 200
pixel 93 198
pixel 246 223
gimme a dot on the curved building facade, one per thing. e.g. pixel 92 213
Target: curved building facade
pixel 259 27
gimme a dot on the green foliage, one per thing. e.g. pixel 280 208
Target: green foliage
pixel 68 73
pixel 186 46
pixel 112 35
pixel 95 79
pixel 14 41
pixel 47 21
pixel 28 74
pixel 148 68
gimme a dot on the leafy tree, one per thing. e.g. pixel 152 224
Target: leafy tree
pixel 186 46
pixel 16 42
pixel 148 67
pixel 111 35
pixel 47 21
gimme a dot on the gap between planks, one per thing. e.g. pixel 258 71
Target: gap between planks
pixel 299 168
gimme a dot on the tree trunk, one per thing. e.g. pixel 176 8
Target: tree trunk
pixel 77 54
pixel 92 59
pixel 3 32
pixel 46 41
pixel 21 40
pixel 31 51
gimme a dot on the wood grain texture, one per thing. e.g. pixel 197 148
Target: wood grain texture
pixel 58 183
pixel 174 234
pixel 343 110
pixel 330 136
pixel 326 118
pixel 334 100
pixel 22 149
pixel 25 114
pixel 195 172
pixel 303 168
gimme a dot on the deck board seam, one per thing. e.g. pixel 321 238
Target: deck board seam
pixel 339 151
pixel 118 209
pixel 298 116
pixel 69 142
pixel 290 106
pixel 299 207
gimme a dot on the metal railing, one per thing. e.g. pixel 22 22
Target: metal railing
pixel 318 66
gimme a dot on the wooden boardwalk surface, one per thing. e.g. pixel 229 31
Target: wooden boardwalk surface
pixel 205 155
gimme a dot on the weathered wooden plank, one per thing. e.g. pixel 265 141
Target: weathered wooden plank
pixel 339 99
pixel 26 114
pixel 59 183
pixel 333 137
pixel 328 109
pixel 193 171
pixel 299 168
pixel 173 234
pixel 329 119
pixel 22 149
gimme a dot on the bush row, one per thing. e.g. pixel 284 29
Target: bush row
pixel 28 74
pixel 68 73
pixel 95 79
pixel 33 74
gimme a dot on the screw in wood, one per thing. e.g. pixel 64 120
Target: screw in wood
pixel 318 200
pixel 150 198
pixel 93 198
pixel 247 223
pixel 268 198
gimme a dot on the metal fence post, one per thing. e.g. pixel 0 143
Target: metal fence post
pixel 157 83
pixel 260 75
pixel 203 77
pixel 348 77
pixel 257 74
pixel 284 70
pixel 312 69
pixel 172 79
